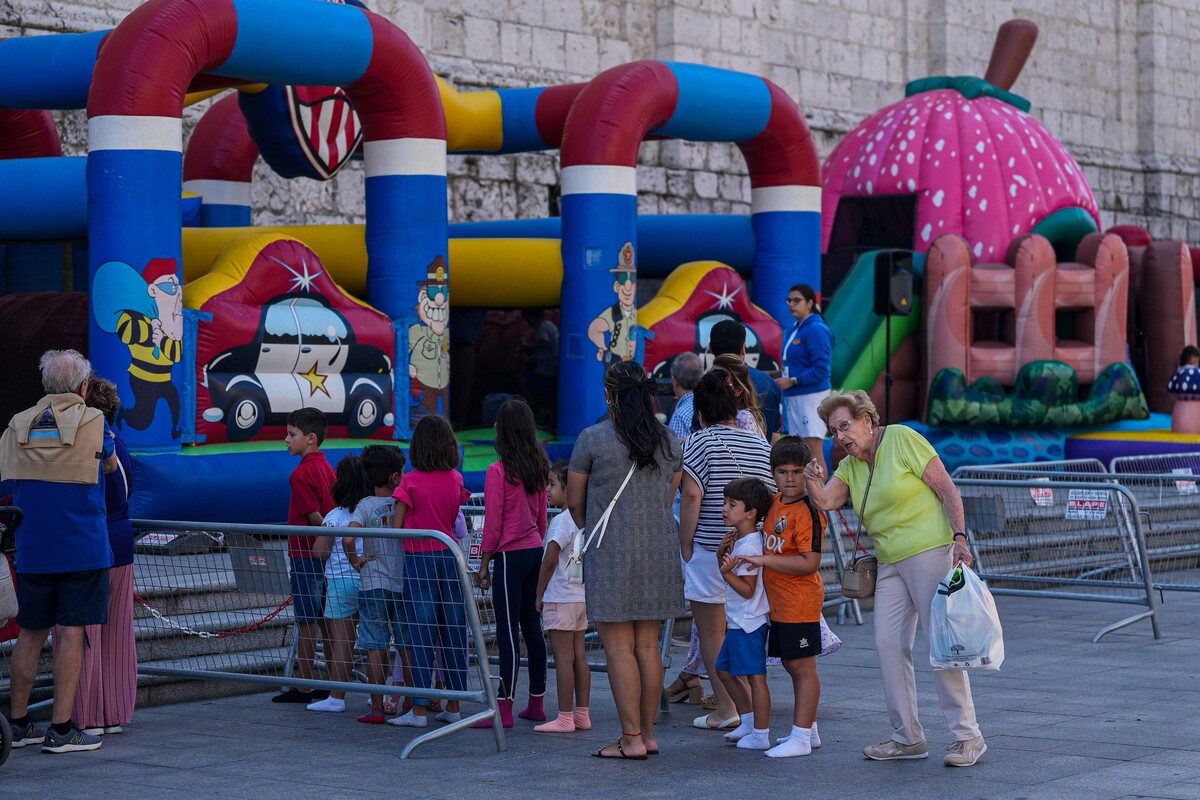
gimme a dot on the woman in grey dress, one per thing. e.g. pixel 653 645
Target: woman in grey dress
pixel 634 580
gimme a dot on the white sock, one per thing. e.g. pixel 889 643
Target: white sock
pixel 759 739
pixel 742 730
pixel 409 720
pixel 798 744
pixel 331 704
pixel 449 716
pixel 815 742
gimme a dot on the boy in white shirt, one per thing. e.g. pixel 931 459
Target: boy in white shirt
pixel 744 652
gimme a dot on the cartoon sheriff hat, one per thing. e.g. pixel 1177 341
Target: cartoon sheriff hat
pixel 436 274
pixel 625 262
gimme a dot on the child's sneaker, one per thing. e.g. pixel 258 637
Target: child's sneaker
pixel 332 705
pixel 409 720
pixel 72 741
pixel 449 716
pixel 373 717
pixel 27 734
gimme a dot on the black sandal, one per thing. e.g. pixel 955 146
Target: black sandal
pixel 600 753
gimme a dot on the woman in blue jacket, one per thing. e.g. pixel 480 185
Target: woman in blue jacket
pixel 807 350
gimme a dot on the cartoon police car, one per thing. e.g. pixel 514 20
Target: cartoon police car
pixel 304 354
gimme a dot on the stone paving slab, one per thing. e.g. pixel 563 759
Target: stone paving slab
pixel 1064 719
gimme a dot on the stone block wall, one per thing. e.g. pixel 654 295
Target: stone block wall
pixel 1115 80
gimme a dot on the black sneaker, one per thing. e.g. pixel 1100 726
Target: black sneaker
pixel 72 741
pixel 27 734
pixel 294 695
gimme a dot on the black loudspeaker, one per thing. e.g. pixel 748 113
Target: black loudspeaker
pixel 893 283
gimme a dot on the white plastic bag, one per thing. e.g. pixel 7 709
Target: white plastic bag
pixel 964 628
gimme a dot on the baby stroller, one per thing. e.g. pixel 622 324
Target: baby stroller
pixel 10 520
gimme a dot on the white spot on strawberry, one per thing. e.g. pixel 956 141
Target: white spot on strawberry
pixel 980 147
pixel 926 231
pixel 910 158
pixel 983 204
pixel 972 191
pixel 939 145
pixel 978 250
pixel 912 185
pixel 938 198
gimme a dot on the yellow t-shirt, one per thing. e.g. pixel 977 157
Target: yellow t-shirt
pixel 903 515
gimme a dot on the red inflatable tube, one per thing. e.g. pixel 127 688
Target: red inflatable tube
pixel 221 147
pixel 28 134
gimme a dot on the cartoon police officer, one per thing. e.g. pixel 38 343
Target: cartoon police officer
pixel 620 319
pixel 429 340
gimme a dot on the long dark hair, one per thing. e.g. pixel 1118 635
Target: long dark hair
pixel 433 448
pixel 631 409
pixel 350 483
pixel 521 454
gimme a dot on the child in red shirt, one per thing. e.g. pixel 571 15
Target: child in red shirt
pixel 311 499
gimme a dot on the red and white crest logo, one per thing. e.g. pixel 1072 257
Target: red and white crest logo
pixel 325 125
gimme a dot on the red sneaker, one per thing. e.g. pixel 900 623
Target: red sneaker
pixel 374 717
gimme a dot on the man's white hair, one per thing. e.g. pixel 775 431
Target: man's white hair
pixel 63 370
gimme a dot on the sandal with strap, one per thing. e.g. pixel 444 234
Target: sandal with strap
pixel 621 750
pixel 690 691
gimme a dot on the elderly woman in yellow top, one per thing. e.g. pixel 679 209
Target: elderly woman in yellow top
pixel 915 515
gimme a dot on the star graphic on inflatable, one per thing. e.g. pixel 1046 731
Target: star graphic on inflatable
pixel 724 299
pixel 316 381
pixel 301 282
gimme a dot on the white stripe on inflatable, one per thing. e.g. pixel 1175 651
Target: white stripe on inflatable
pixel 599 179
pixel 135 133
pixel 220 193
pixel 405 157
pixel 785 198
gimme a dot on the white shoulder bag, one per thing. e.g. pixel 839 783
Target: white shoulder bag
pixel 575 562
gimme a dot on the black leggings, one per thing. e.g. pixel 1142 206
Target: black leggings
pixel 514 593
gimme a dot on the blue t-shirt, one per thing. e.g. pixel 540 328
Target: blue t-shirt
pixel 769 398
pixel 65 527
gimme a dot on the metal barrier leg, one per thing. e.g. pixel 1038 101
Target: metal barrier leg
pixel 664 705
pixel 1152 615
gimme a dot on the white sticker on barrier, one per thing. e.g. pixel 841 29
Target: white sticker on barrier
pixel 158 538
pixel 475 548
pixel 1185 487
pixel 1042 496
pixel 1087 504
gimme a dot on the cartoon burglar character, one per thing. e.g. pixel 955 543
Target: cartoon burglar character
pixel 620 320
pixel 429 340
pixel 151 326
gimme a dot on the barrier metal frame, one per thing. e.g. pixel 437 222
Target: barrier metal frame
pixel 1070 466
pixel 1115 466
pixel 485 696
pixel 1131 517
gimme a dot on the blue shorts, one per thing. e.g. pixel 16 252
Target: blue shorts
pixel 70 599
pixel 381 620
pixel 307 576
pixel 744 653
pixel 341 597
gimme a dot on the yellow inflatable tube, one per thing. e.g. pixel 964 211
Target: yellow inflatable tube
pixel 484 273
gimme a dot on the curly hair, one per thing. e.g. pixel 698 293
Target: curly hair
pixel 102 396
pixel 858 403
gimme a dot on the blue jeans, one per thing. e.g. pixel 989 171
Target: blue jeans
pixel 437 616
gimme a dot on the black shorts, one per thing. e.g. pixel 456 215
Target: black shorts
pixel 792 640
pixel 71 599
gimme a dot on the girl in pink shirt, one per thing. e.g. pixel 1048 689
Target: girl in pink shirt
pixel 429 498
pixel 514 499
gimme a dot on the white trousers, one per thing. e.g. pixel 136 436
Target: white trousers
pixel 903 594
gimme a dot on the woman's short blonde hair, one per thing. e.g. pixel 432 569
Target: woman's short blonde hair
pixel 858 403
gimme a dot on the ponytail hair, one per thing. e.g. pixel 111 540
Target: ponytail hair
pixel 631 409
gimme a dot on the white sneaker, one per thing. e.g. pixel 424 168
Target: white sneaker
pixel 113 729
pixel 448 716
pixel 409 720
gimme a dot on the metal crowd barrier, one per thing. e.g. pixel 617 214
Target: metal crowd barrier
pixel 473 511
pixel 1068 466
pixel 226 615
pixel 1069 538
pixel 1158 464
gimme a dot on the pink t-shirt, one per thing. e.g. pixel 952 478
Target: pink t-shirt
pixel 513 518
pixel 433 500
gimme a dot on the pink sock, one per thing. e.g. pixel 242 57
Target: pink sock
pixel 564 723
pixel 582 721
pixel 536 709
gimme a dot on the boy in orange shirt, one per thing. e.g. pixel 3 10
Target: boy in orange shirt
pixel 792 534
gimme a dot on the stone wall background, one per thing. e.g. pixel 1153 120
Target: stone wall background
pixel 1115 80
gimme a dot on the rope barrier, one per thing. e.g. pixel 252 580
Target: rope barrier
pixel 170 623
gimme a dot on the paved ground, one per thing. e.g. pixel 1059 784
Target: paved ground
pixel 1064 719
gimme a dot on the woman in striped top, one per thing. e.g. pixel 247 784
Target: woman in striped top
pixel 715 455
